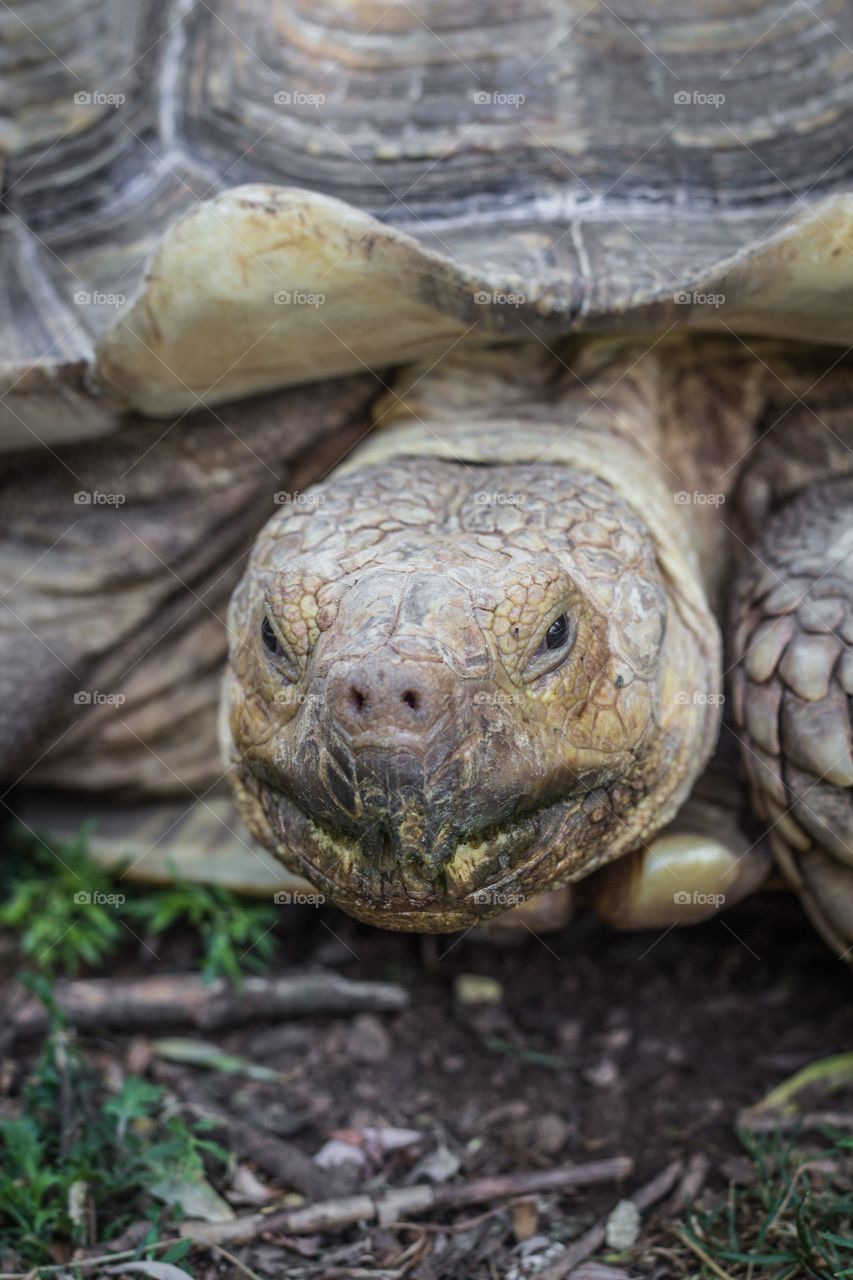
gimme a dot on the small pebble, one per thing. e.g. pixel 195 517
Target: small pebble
pixel 474 988
pixel 623 1226
pixel 604 1075
pixel 335 1154
pixel 368 1041
pixel 439 1166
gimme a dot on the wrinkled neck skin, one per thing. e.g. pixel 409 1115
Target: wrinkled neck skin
pixel 488 664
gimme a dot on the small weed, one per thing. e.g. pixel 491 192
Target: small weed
pixel 236 934
pixel 77 1163
pixel 56 903
pixel 69 914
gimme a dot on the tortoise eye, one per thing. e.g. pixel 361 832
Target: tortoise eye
pixel 558 633
pixel 268 635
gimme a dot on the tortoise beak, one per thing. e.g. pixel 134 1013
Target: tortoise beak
pixel 378 766
pixel 401 826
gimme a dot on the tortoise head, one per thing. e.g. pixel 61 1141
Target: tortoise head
pixel 450 688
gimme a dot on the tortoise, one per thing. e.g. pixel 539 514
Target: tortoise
pixel 494 365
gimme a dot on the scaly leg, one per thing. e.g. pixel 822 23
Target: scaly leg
pixel 792 628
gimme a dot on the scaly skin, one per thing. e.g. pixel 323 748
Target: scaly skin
pixel 413 747
pixel 791 627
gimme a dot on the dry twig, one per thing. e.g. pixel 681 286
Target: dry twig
pixel 152 1002
pixel 333 1215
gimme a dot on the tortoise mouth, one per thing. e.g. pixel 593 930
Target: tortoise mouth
pixel 486 871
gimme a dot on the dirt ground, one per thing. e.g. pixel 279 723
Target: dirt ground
pixel 643 1044
pixel 592 1044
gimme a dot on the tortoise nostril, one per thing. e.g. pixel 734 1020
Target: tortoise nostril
pixel 357 699
pixel 385 698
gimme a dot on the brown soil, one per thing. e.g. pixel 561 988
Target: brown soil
pixel 600 1044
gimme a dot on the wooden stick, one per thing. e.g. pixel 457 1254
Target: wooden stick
pixel 692 1182
pixel 235 1262
pixel 283 1160
pixel 333 1215
pixel 784 1122
pixel 153 1002
pixel 83 1264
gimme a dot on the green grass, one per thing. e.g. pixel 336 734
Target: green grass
pixel 78 1162
pixel 80 1158
pixel 67 914
pixel 792 1221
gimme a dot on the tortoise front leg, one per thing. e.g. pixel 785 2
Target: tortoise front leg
pixel 680 878
pixel 791 630
pixel 698 865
